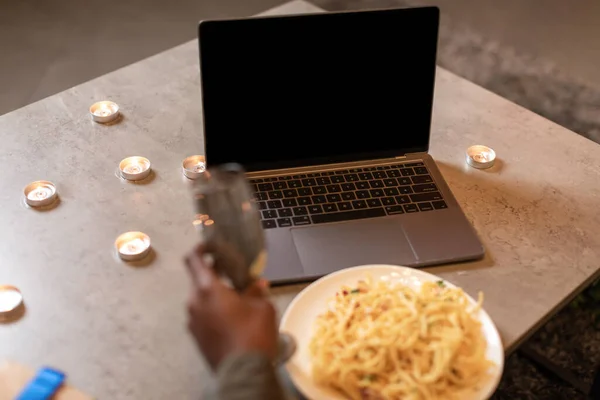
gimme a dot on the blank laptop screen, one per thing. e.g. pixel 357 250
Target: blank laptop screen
pixel 303 90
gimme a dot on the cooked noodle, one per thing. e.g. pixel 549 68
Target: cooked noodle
pixel 385 341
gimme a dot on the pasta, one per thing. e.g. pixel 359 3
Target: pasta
pixel 385 341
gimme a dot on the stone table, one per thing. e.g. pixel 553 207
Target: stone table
pixel 119 331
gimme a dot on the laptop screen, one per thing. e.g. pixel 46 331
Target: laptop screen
pixel 282 92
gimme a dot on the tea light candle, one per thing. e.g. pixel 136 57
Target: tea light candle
pixel 194 167
pixel 40 193
pixel 135 168
pixel 481 157
pixel 10 299
pixel 133 246
pixel 104 111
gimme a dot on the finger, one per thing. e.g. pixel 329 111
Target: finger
pixel 257 289
pixel 202 274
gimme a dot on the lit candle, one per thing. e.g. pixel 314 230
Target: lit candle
pixel 133 246
pixel 104 111
pixel 481 157
pixel 40 193
pixel 135 168
pixel 194 167
pixel 10 299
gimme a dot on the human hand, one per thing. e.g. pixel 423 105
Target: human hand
pixel 222 320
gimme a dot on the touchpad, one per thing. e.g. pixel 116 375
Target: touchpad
pixel 327 248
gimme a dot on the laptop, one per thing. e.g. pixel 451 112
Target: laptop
pixel 330 114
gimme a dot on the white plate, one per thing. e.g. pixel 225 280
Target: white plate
pixel 299 318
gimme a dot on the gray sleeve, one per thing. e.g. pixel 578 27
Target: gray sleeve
pixel 246 376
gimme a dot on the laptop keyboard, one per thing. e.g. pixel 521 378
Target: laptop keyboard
pixel 347 194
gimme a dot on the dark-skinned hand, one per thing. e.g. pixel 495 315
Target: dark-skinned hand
pixel 224 321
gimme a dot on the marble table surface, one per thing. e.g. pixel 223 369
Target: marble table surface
pixel 119 330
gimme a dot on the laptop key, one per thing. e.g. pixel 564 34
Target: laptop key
pixel 416 198
pixel 262 205
pixel 370 169
pixel 300 211
pixel 390 182
pixel 294 183
pixel 334 188
pixel 269 214
pixel 421 179
pixel 319 190
pixel 376 184
pixel 309 182
pixel 407 171
pixel 304 201
pixel 365 176
pixel 313 174
pixel 256 181
pixel 363 194
pixel 405 190
pixel 333 198
pixel 290 193
pixel 260 196
pixel 284 222
pixel 415 164
pixel 388 201
pixel 362 185
pixel 404 181
pixel 269 223
pixel 355 170
pixel 279 185
pixel 275 195
pixel 274 204
pixel 393 210
pixel 427 187
pixel 315 209
pixel 379 175
pixel 328 208
pixel 271 179
pixel 358 204
pixel 304 192
pixel 301 221
pixel 285 178
pixel 425 206
pixel 393 173
pixel 398 166
pixel 265 187
pixel 348 187
pixel 324 181
pixel 348 196
pixel 342 172
pixel 285 212
pixel 319 199
pixel 351 177
pixel 391 191
pixel 376 192
pixel 327 173
pixel 299 176
pixel 402 199
pixel 421 171
pixel 348 215
pixel 374 203
pixel 411 208
pixel 439 205
pixel 345 206
pixel 289 202
pixel 338 179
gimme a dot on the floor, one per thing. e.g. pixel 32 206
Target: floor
pixel 56 44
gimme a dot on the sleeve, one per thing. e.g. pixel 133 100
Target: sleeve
pixel 246 376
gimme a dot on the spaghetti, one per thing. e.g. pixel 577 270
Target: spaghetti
pixel 385 341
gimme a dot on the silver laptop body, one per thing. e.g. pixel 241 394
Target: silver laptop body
pixel 340 167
